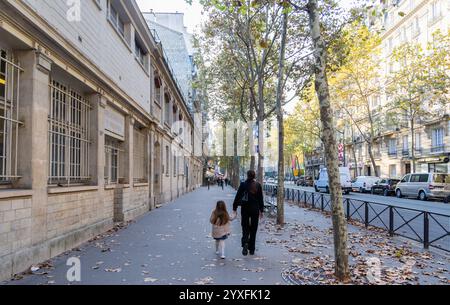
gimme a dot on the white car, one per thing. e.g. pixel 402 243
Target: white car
pixel 322 184
pixel 364 183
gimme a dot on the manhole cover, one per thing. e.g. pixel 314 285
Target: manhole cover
pixel 303 276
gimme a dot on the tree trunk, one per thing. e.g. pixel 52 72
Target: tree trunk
pixel 280 193
pixel 251 149
pixel 236 180
pixel 261 135
pixel 331 148
pixel 355 173
pixel 372 158
pixel 413 153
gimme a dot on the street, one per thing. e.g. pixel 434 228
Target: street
pixel 408 216
pixel 430 206
pixel 172 245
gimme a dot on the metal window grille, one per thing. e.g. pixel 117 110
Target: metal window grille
pixel 113 156
pixel 69 136
pixel 166 109
pixel 139 151
pixel 174 164
pixel 9 117
pixel 157 90
pixel 167 160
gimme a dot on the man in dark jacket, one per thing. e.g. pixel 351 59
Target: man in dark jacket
pixel 250 198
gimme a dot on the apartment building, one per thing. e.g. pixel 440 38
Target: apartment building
pixel 87 108
pixel 405 21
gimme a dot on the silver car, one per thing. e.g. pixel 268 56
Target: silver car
pixel 425 186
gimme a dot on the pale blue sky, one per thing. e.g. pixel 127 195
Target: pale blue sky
pixel 192 13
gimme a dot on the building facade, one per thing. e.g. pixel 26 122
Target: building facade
pixel 405 21
pixel 88 109
pixel 413 21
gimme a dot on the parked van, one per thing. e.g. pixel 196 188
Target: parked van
pixel 364 183
pixel 322 184
pixel 424 186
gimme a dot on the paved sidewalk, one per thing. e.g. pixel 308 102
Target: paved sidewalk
pixel 172 245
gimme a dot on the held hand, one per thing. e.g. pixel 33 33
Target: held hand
pixel 234 215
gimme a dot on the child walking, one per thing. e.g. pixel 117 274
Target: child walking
pixel 221 229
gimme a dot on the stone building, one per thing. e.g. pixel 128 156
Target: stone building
pixel 403 21
pixel 87 111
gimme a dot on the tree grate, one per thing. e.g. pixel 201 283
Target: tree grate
pixel 304 276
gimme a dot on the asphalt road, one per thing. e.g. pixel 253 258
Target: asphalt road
pixel 408 217
pixel 429 206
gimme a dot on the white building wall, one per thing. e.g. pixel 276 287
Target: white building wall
pixel 100 43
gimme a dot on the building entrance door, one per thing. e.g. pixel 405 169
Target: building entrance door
pixel 407 168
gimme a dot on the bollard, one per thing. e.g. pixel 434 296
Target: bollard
pixel 426 231
pixel 391 221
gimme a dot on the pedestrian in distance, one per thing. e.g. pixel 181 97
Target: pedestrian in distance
pixel 221 227
pixel 250 198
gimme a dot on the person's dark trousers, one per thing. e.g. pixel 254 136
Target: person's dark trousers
pixel 250 221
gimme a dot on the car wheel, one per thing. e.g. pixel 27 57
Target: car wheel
pixel 398 193
pixel 422 196
pixel 385 193
pixel 347 192
pixel 361 190
pixel 447 199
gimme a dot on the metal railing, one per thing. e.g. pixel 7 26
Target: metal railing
pixel 429 228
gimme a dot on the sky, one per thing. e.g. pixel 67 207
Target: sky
pixel 193 17
pixel 192 13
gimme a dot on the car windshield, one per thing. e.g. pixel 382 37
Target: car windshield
pixel 441 178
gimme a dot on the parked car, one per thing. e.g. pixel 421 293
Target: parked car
pixel 364 183
pixel 385 187
pixel 305 181
pixel 424 186
pixel 322 184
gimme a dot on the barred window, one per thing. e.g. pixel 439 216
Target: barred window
pixel 166 108
pixel 113 158
pixel 167 160
pixel 157 90
pixel 139 160
pixel 9 117
pixel 174 164
pixel 69 136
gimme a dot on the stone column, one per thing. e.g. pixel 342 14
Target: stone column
pixel 97 137
pixel 151 166
pixel 129 151
pixel 33 152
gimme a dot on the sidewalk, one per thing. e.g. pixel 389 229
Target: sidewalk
pixel 172 246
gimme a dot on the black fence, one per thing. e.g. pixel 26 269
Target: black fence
pixel 430 229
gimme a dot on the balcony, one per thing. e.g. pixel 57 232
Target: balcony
pixel 437 149
pixel 405 152
pixel 392 153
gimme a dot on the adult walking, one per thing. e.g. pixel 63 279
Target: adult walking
pixel 250 198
